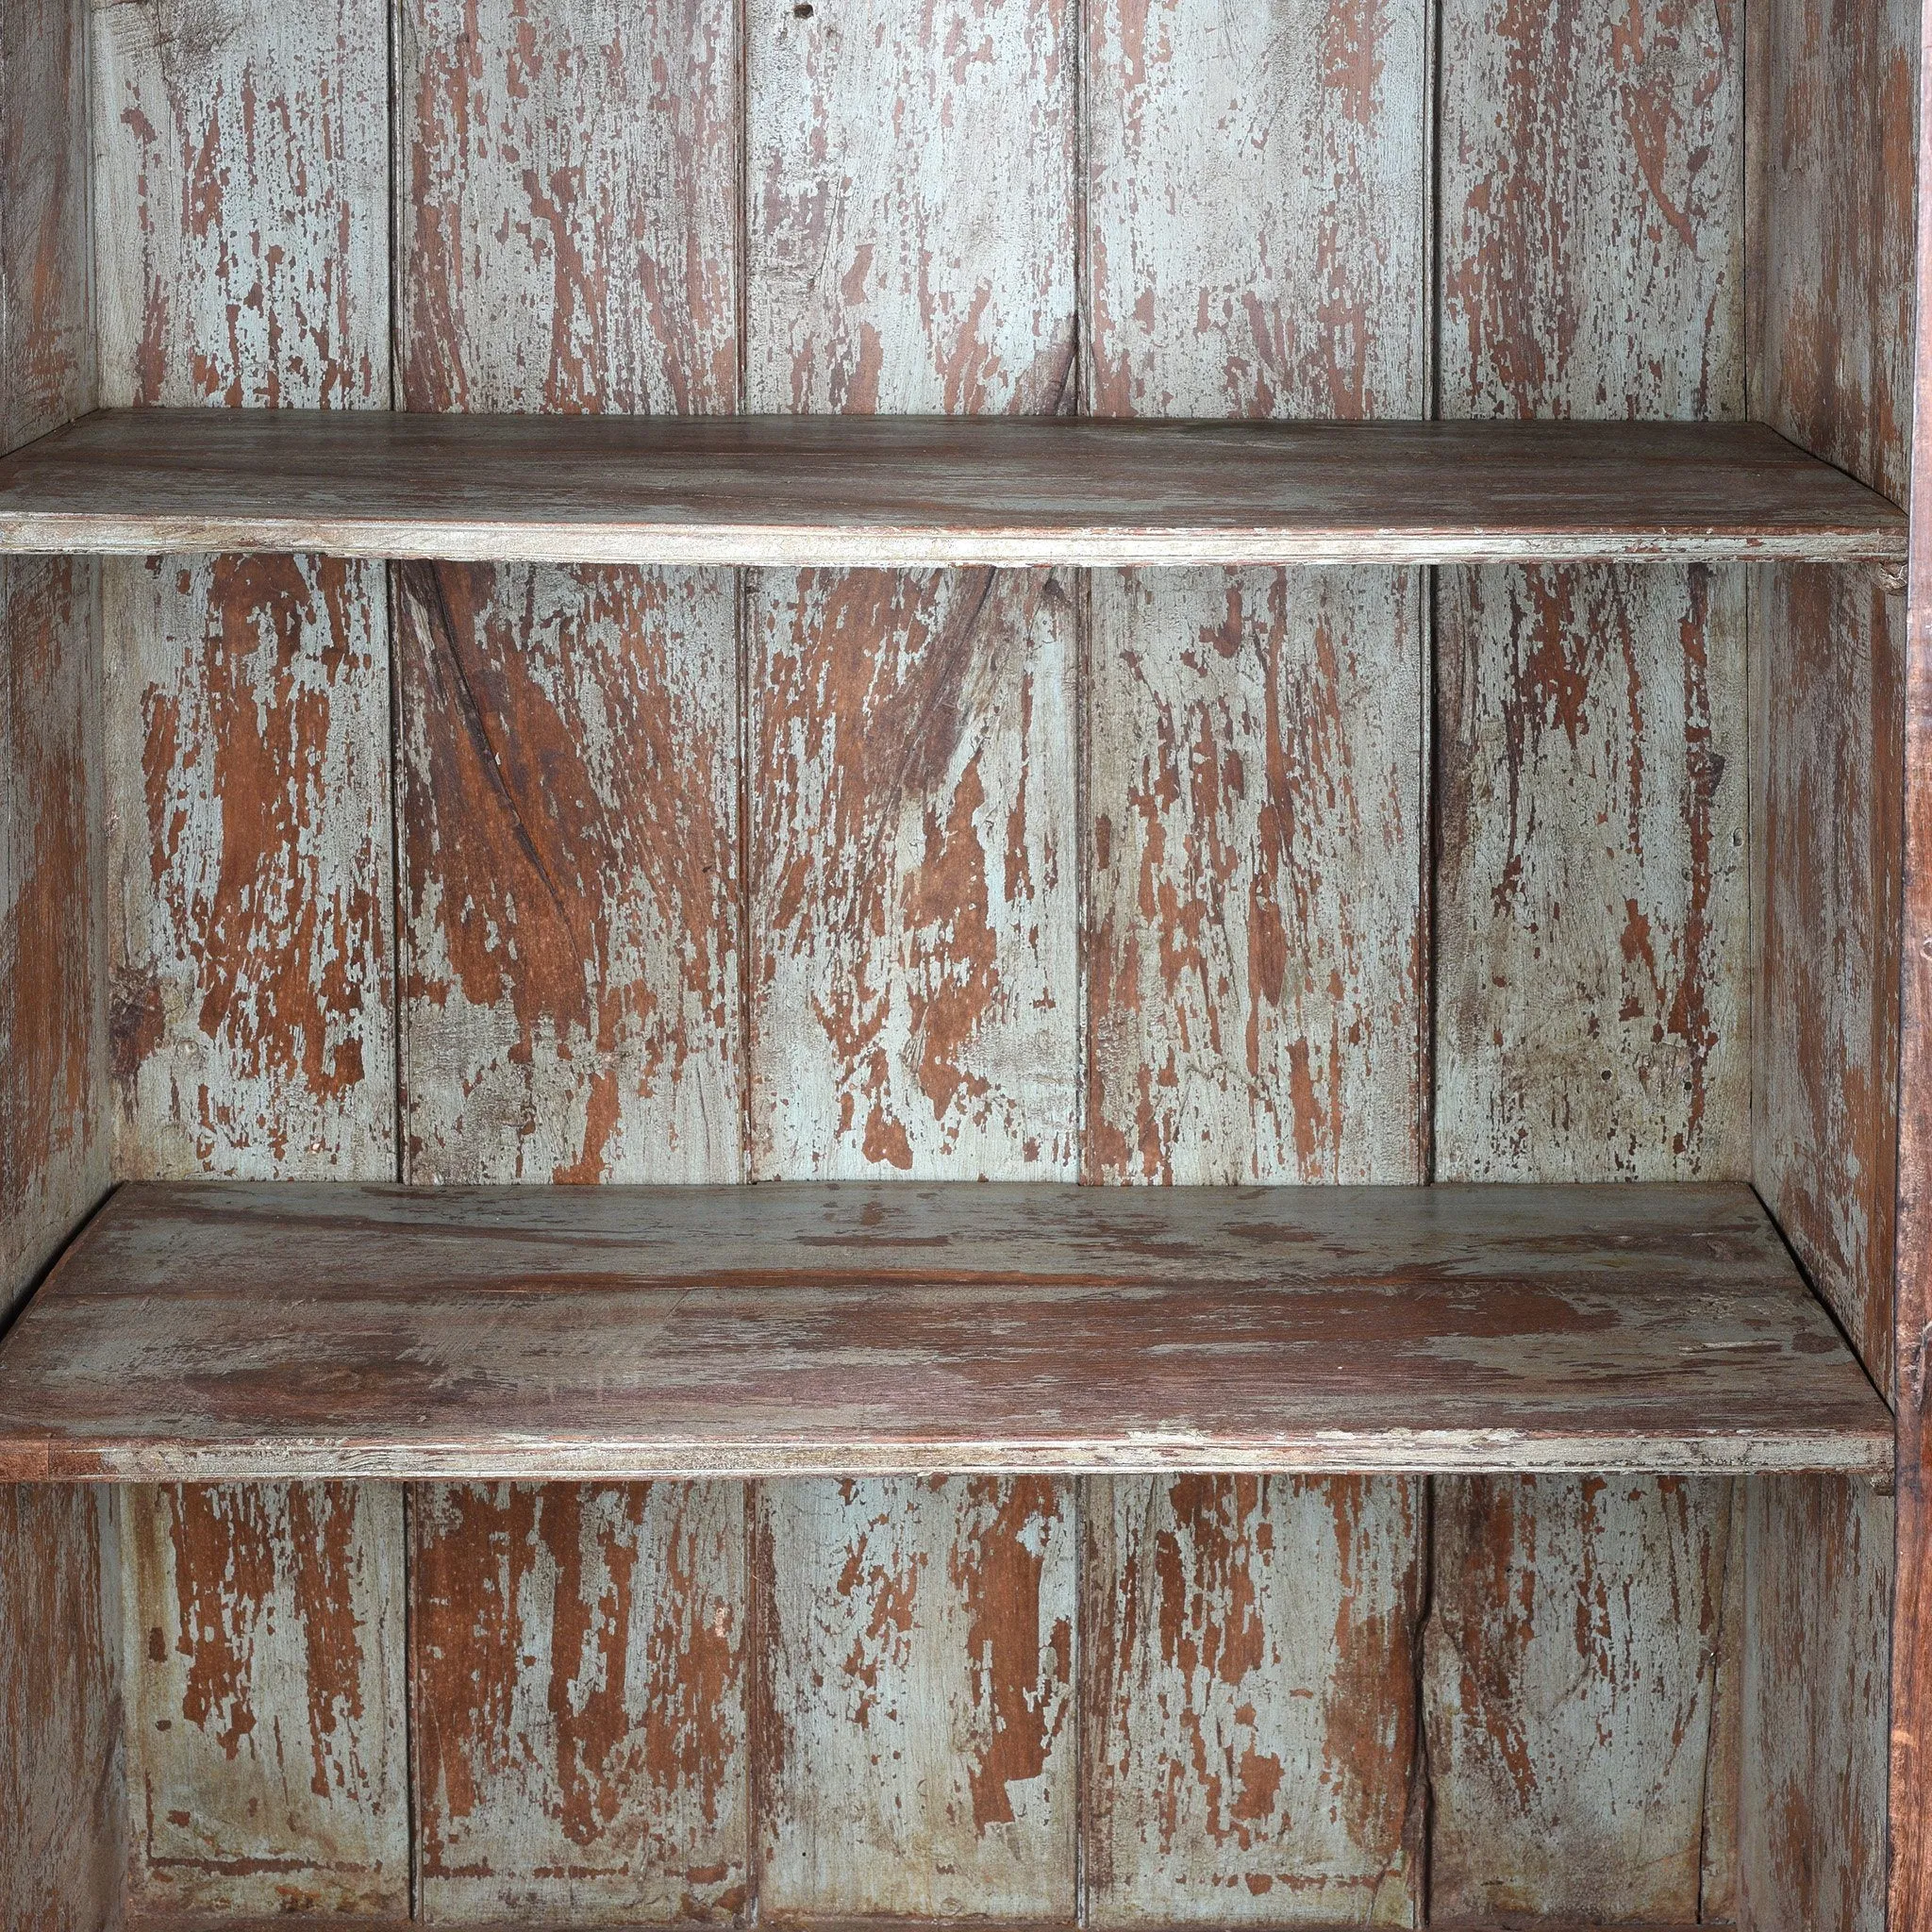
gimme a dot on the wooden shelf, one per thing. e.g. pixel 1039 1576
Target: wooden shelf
pixel 217 1330
pixel 928 492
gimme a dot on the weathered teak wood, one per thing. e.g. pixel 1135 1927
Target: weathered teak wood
pixel 213 1330
pixel 924 492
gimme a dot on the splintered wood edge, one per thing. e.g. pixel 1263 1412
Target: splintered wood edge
pixel 1420 1452
pixel 885 546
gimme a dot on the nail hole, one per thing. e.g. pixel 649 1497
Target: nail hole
pixel 803 10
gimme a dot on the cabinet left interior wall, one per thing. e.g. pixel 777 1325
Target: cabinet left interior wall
pixel 62 1789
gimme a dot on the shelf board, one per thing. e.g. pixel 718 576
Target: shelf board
pixel 919 492
pixel 207 1331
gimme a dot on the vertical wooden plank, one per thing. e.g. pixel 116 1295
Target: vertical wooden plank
pixel 1910 1887
pixel 571 969
pixel 914 952
pixel 916 1698
pixel 913 890
pixel 1828 649
pixel 52 970
pixel 239 200
pixel 1249 1757
pixel 265 1691
pixel 1569 1675
pixel 241 259
pixel 1592 927
pixel 579 1659
pixel 568 781
pixel 1593 918
pixel 62 1787
pixel 1818 1602
pixel 1256 198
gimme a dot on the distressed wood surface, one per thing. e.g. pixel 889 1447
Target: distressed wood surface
pixel 1249 1646
pixel 265 1698
pixel 915 952
pixel 579 1682
pixel 915 1720
pixel 1593 912
pixel 1570 1680
pixel 1828 650
pixel 64 1821
pixel 53 843
pixel 1255 943
pixel 1817 1692
pixel 1910 1887
pixel 240 195
pixel 1833 93
pixel 919 491
pixel 569 738
pixel 493 1332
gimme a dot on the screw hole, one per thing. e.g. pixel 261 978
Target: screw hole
pixel 803 10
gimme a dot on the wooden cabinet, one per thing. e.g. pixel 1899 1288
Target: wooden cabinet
pixel 964 964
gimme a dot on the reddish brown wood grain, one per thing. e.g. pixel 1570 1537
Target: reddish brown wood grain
pixel 579 1680
pixel 915 1714
pixel 1817 1684
pixel 265 1690
pixel 1249 1648
pixel 63 1818
pixel 1571 1668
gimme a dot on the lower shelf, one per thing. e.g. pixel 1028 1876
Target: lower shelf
pixel 218 1331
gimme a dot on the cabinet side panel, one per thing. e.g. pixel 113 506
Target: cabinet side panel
pixel 1834 98
pixel 1910 1887
pixel 1828 650
pixel 570 966
pixel 1592 917
pixel 52 840
pixel 1571 1675
pixel 914 974
pixel 265 1698
pixel 241 202
pixel 1834 92
pixel 63 1788
pixel 1257 206
pixel 1817 1664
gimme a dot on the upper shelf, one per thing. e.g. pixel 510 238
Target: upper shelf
pixel 926 492
pixel 217 1330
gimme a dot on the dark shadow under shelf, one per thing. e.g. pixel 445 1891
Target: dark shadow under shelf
pixel 214 1330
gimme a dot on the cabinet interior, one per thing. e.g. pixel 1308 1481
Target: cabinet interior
pixel 1401 867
